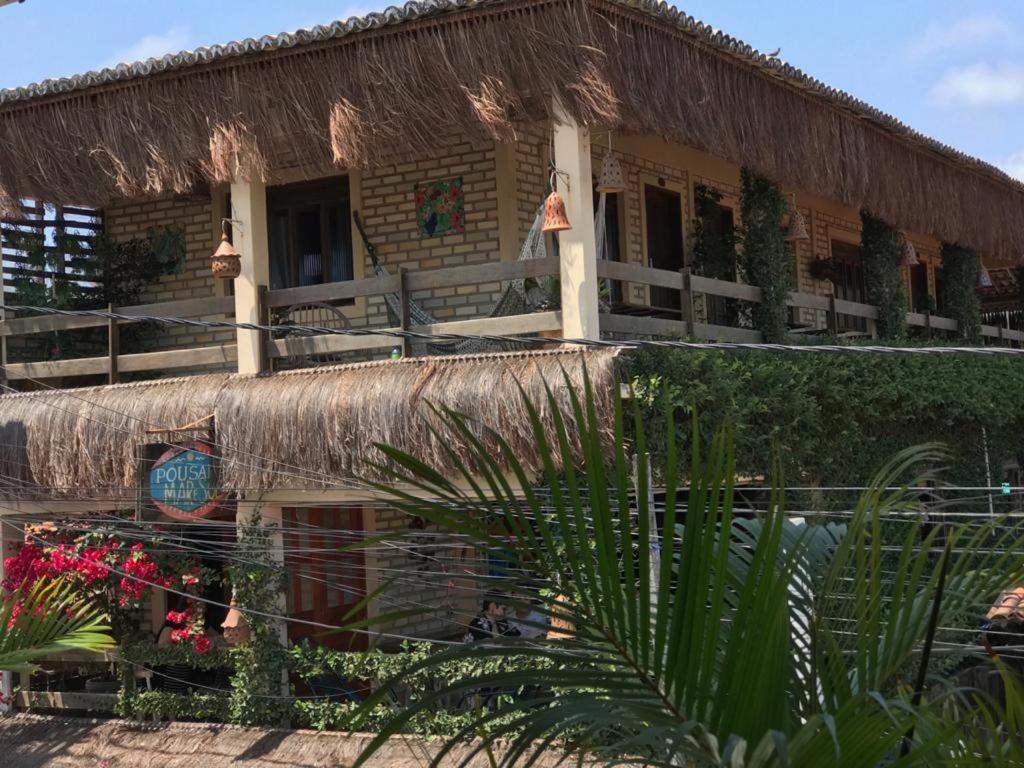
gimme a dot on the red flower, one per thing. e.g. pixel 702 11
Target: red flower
pixel 202 644
pixel 177 617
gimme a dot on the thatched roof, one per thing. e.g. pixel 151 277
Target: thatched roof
pixel 306 428
pixel 35 741
pixel 349 93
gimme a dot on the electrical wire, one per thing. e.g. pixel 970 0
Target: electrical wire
pixel 313 330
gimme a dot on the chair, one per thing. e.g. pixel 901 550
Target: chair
pixel 317 314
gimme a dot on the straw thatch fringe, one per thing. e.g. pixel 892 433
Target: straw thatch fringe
pixel 309 428
pixel 39 741
pixel 632 65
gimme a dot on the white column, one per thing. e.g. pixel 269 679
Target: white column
pixel 249 209
pixel 577 246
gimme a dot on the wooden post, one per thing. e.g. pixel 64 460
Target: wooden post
pixel 689 315
pixel 927 324
pixel 577 247
pixel 113 347
pixel 249 210
pixel 833 319
pixel 263 312
pixel 1000 328
pixel 403 314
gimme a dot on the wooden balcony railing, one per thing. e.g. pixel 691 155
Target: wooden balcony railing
pixel 224 356
pixel 690 286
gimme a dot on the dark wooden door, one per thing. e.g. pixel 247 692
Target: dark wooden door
pixel 664 220
pixel 326 578
pixel 849 283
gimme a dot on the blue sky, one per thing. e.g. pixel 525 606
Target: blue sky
pixel 953 70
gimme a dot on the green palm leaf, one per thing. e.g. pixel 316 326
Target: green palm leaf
pixel 718 640
pixel 48 618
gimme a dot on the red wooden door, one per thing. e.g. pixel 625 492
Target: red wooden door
pixel 327 578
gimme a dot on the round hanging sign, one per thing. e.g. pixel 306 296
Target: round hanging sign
pixel 182 482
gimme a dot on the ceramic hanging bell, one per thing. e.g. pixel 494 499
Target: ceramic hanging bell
pixel 984 278
pixel 611 180
pixel 909 258
pixel 235 627
pixel 226 262
pixel 797 227
pixel 555 217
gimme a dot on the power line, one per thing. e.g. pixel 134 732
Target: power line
pixel 313 330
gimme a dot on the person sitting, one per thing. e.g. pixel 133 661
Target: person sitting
pixel 528 621
pixel 491 622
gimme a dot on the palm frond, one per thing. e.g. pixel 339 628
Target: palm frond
pixel 47 618
pixel 718 639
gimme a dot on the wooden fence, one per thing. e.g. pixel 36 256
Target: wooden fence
pixel 691 286
pixel 403 284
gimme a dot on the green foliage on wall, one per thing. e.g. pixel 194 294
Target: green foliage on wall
pixel 882 247
pixel 960 291
pixel 714 239
pixel 835 417
pixel 260 664
pixel 764 258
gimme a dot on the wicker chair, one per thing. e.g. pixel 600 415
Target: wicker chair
pixel 316 314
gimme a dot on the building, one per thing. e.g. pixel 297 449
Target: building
pixel 443 124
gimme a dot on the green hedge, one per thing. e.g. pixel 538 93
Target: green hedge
pixel 835 418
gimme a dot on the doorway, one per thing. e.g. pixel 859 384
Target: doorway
pixel 663 213
pixel 326 579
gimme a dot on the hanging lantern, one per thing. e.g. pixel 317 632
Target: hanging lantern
pixel 984 278
pixel 909 255
pixel 226 262
pixel 555 217
pixel 797 229
pixel 235 626
pixel 611 180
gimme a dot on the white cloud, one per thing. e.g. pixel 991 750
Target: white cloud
pixel 967 32
pixel 152 46
pixel 980 85
pixel 1014 165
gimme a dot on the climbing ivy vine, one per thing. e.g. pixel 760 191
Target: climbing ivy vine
pixel 260 664
pixel 960 290
pixel 883 250
pixel 764 259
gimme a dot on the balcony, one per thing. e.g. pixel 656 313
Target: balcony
pixel 998 328
pixel 291 350
pixel 109 361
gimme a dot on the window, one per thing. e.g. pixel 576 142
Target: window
pixel 721 229
pixel 326 581
pixel 940 291
pixel 663 213
pixel 310 233
pixel 848 282
pixel 919 298
pixel 610 223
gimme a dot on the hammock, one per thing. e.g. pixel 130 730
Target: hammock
pixel 516 299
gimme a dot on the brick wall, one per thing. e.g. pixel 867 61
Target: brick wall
pixel 427 578
pixel 532 158
pixel 132 219
pixel 389 211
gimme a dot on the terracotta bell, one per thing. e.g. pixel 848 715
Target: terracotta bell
pixel 909 258
pixel 226 262
pixel 611 180
pixel 555 217
pixel 984 278
pixel 235 626
pixel 797 227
